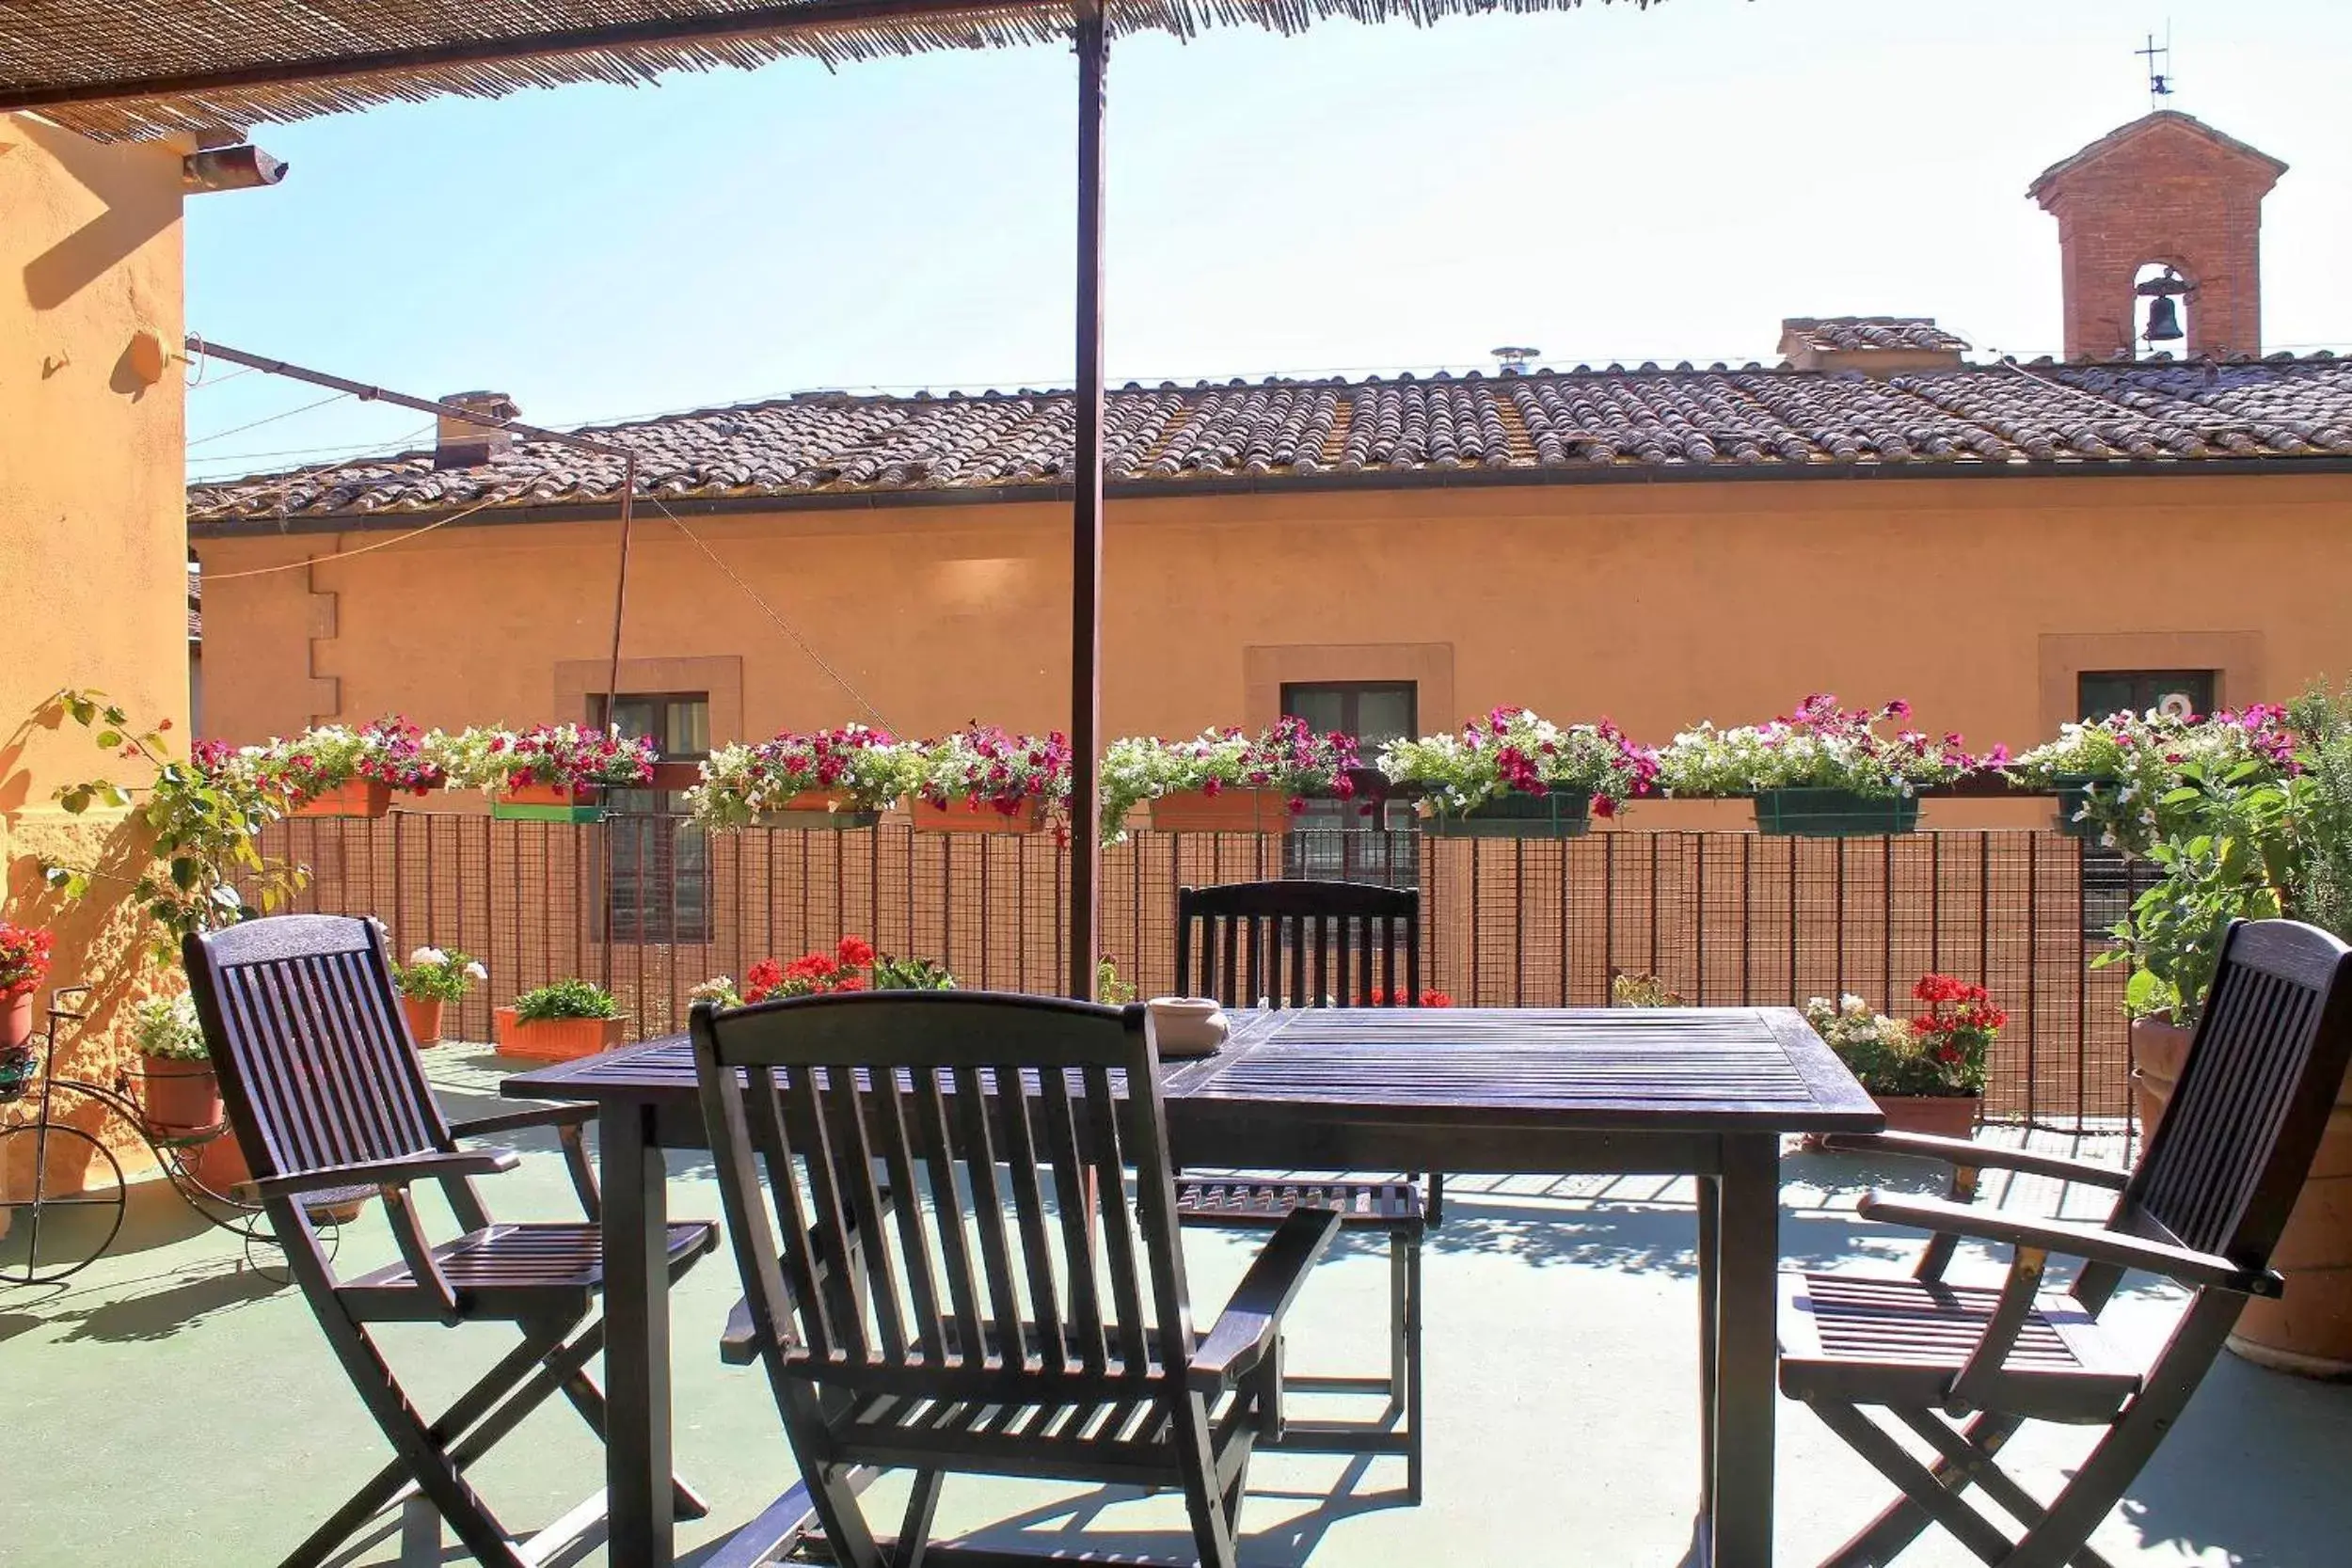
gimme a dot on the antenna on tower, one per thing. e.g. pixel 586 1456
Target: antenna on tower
pixel 2159 58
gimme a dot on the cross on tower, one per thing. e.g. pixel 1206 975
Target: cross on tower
pixel 2159 81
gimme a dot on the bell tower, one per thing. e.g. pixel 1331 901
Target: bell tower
pixel 2165 191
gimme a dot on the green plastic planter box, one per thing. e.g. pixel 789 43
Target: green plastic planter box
pixel 1833 813
pixel 1562 814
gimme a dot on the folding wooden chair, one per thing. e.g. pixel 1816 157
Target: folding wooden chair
pixel 2204 1208
pixel 1314 945
pixel 326 1091
pixel 1047 1331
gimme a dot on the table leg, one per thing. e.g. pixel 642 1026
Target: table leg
pixel 1710 1196
pixel 637 1342
pixel 1748 1259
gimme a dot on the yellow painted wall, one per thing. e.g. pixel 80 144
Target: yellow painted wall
pixel 1656 605
pixel 92 529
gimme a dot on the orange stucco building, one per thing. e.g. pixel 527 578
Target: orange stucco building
pixel 1876 516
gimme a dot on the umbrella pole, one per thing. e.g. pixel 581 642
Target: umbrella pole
pixel 1086 524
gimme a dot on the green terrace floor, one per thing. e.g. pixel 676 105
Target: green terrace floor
pixel 175 1405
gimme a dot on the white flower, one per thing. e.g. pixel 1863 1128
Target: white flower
pixel 428 956
pixel 1852 1006
pixel 475 972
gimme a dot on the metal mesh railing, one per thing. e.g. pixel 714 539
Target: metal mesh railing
pixel 650 907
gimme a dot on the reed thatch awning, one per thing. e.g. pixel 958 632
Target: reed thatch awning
pixel 126 69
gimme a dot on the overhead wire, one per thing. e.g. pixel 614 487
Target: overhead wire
pixel 255 425
pixel 772 613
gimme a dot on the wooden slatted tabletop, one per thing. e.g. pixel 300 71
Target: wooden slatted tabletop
pixel 1687 1069
pixel 1684 1069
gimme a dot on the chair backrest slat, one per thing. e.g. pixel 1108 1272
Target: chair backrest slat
pixel 954 1246
pixel 1119 1247
pixel 988 1213
pixel 1344 942
pixel 2222 1172
pixel 1028 1105
pixel 899 1158
pixel 304 1025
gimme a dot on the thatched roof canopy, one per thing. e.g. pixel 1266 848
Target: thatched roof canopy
pixel 123 70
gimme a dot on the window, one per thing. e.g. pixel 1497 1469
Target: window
pixel 1333 839
pixel 2100 692
pixel 2111 882
pixel 658 889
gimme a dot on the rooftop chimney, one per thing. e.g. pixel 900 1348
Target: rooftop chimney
pixel 1875 346
pixel 2164 190
pixel 461 443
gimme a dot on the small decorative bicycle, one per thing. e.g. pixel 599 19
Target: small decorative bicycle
pixel 53 1235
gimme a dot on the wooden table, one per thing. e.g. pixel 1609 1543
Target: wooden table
pixel 1698 1091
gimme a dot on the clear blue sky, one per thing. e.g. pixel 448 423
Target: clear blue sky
pixel 1603 184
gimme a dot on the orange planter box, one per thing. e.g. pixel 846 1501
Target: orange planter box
pixel 352 797
pixel 1229 811
pixel 960 817
pixel 555 1039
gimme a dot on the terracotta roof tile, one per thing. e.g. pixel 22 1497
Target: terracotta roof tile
pixel 1846 334
pixel 1563 425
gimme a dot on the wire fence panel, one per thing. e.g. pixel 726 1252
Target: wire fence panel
pixel 651 906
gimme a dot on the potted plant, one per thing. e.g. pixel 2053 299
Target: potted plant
pixel 982 781
pixel 550 772
pixel 1515 775
pixel 25 952
pixel 1822 771
pixel 1925 1080
pixel 1226 781
pixel 429 981
pixel 560 1022
pixel 1641 989
pixel 853 965
pixel 835 779
pixel 181 1094
pixel 334 771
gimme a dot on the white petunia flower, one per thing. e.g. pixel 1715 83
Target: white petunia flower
pixel 475 972
pixel 428 956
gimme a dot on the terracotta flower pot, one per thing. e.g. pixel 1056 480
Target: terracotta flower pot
pixel 966 816
pixel 352 797
pixel 16 1022
pixel 824 810
pixel 556 1039
pixel 179 1099
pixel 2309 1329
pixel 1228 811
pixel 424 1017
pixel 1941 1116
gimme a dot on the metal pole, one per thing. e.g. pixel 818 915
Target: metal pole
pixel 1086 524
pixel 366 394
pixel 620 600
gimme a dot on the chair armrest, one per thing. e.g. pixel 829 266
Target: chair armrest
pixel 1965 1151
pixel 2093 1244
pixel 390 1173
pixel 1245 1330
pixel 568 1114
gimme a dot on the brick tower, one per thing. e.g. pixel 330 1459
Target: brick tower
pixel 2167 189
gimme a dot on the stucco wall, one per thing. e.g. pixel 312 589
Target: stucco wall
pixel 92 534
pixel 1656 605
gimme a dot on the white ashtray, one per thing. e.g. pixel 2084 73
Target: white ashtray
pixel 1188 1025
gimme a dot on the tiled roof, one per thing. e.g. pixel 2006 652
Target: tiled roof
pixel 1541 426
pixel 2141 127
pixel 1845 334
